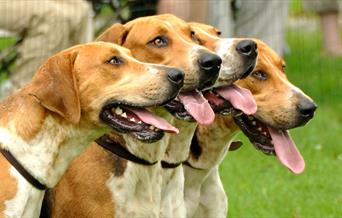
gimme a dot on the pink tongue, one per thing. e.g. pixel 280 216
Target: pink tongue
pixel 287 151
pixel 149 118
pixel 198 107
pixel 240 98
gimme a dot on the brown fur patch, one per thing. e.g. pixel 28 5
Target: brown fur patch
pixel 74 195
pixel 119 164
pixel 195 148
pixel 27 127
pixel 208 41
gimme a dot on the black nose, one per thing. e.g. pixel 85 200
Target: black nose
pixel 209 61
pixel 247 48
pixel 175 76
pixel 210 65
pixel 306 108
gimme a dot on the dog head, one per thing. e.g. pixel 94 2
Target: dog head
pixel 101 84
pixel 281 106
pixel 276 104
pixel 239 57
pixel 166 39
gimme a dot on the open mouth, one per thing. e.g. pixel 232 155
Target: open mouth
pixel 219 104
pixel 191 106
pixel 232 99
pixel 239 102
pixel 176 108
pixel 272 141
pixel 257 133
pixel 137 121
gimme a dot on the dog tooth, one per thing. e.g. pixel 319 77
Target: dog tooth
pixel 254 123
pixel 132 119
pixel 265 133
pixel 140 122
pixel 238 113
pixel 118 110
pixel 124 115
pixel 250 117
pixel 151 127
pixel 260 129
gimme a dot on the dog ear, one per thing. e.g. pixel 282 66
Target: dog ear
pixel 117 34
pixel 54 86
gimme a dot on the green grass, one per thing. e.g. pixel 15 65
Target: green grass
pixel 258 186
pixel 296 7
pixel 5 43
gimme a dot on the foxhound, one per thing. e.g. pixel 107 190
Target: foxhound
pixel 280 106
pixel 238 60
pixel 69 103
pixel 130 185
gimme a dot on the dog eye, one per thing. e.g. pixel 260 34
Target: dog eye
pixel 195 38
pixel 115 61
pixel 219 33
pixel 159 41
pixel 260 75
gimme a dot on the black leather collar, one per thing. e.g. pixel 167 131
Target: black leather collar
pixel 167 165
pixel 15 163
pixel 107 143
pixel 189 165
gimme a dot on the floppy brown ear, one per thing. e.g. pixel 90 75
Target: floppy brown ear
pixel 54 86
pixel 117 34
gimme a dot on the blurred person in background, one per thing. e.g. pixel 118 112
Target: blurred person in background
pixel 188 10
pixel 49 26
pixel 328 11
pixel 263 19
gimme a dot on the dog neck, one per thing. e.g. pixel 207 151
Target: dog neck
pixel 43 144
pixel 210 143
pixel 151 152
pixel 179 145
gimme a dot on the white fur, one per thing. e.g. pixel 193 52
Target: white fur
pixel 232 64
pixel 27 201
pixel 213 199
pixel 48 155
pixel 203 192
pixel 192 189
pixel 172 202
pixel 179 145
pixel 46 158
pixel 137 192
pixel 224 45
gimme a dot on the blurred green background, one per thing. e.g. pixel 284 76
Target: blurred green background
pixel 258 185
